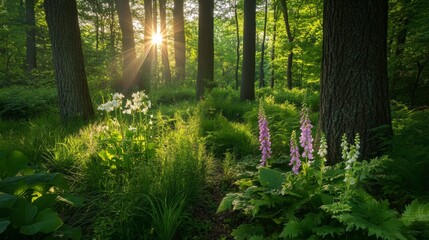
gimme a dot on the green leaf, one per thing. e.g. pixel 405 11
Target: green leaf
pixel 7 200
pixel 226 203
pixel 3 224
pixel 72 200
pixel 11 164
pixel 45 201
pixel 415 212
pixel 11 184
pixel 271 179
pixel 22 212
pixel 67 232
pixel 46 221
pixel 247 231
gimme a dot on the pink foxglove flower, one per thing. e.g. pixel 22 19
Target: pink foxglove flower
pixel 264 137
pixel 306 140
pixel 294 154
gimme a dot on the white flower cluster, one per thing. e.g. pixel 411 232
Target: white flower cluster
pixel 323 148
pixel 115 103
pixel 139 103
pixel 350 154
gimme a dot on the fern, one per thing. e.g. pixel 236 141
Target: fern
pixel 416 212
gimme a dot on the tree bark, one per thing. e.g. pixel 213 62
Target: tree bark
pixel 149 52
pixel 129 59
pixel 179 40
pixel 72 86
pixel 237 49
pixel 249 36
pixel 261 65
pixel 283 4
pixel 205 47
pixel 30 17
pixel 354 85
pixel 273 49
pixel 166 73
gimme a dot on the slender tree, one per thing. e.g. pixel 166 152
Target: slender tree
pixel 64 32
pixel 249 36
pixel 30 60
pixel 155 31
pixel 261 65
pixel 283 4
pixel 129 58
pixel 179 40
pixel 149 50
pixel 354 86
pixel 205 46
pixel 166 72
pixel 237 48
pixel 273 48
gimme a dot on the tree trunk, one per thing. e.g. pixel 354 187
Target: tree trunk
pixel 398 65
pixel 283 4
pixel 205 47
pixel 166 73
pixel 154 45
pixel 149 52
pixel 273 53
pixel 237 49
pixel 249 36
pixel 64 32
pixel 261 65
pixel 354 85
pixel 420 67
pixel 129 59
pixel 30 17
pixel 179 40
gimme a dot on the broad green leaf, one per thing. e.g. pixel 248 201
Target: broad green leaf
pixel 45 201
pixel 11 164
pixel 46 221
pixel 3 225
pixel 67 232
pixel 7 200
pixel 22 212
pixel 226 203
pixel 41 180
pixel 247 231
pixel 271 179
pixel 72 200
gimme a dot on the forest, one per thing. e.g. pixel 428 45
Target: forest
pixel 214 119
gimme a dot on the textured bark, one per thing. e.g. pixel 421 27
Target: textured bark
pixel 149 50
pixel 64 32
pixel 205 47
pixel 179 40
pixel 354 86
pixel 166 72
pixel 249 36
pixel 30 59
pixel 283 4
pixel 261 65
pixel 129 59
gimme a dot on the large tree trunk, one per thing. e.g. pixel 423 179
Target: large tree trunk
pixel 261 65
pixel 129 59
pixel 149 50
pixel 30 17
pixel 179 40
pixel 64 32
pixel 283 4
pixel 166 73
pixel 249 36
pixel 205 47
pixel 354 86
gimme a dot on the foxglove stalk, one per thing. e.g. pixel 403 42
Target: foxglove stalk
pixel 264 137
pixel 306 140
pixel 323 148
pixel 295 162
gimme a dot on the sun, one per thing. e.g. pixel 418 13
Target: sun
pixel 156 38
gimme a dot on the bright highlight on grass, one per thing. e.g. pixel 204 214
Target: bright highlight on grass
pixel 156 38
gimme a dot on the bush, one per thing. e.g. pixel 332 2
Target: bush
pixel 295 96
pixel 19 102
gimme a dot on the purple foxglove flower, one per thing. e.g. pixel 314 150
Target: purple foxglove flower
pixel 264 137
pixel 306 140
pixel 295 162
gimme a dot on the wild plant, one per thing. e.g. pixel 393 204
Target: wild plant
pixel 264 137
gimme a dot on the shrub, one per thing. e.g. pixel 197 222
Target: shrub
pixel 19 102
